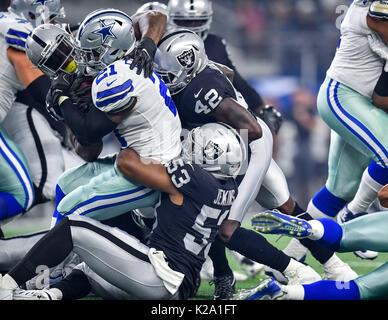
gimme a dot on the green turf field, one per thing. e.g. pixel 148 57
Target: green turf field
pixel 40 217
pixel 359 265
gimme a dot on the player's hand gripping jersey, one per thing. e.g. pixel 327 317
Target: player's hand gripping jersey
pixel 186 242
pixel 152 128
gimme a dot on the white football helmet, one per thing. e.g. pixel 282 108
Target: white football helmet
pixel 154 6
pixel 37 11
pixel 180 57
pixel 217 148
pixel 195 15
pixel 105 35
pixel 52 50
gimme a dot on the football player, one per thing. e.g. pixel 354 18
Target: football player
pixel 197 16
pixel 358 147
pixel 138 109
pixel 364 233
pixel 146 26
pixel 203 94
pixel 197 192
pixel 24 178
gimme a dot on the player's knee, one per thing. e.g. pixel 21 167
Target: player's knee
pixel 227 228
pixel 383 196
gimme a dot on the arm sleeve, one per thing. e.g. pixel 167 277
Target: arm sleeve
pixel 38 89
pixel 89 128
pixel 17 35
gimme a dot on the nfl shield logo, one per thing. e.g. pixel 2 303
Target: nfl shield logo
pixel 186 59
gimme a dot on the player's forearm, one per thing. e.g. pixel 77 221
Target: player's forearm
pixel 233 114
pixel 25 70
pixel 150 174
pixel 89 128
pixel 151 25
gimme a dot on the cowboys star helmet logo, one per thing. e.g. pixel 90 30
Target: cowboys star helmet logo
pixel 212 151
pixel 105 31
pixel 186 59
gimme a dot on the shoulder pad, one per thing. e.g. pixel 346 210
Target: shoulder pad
pixel 17 34
pixel 379 9
pixel 112 90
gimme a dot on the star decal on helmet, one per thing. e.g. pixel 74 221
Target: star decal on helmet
pixel 105 31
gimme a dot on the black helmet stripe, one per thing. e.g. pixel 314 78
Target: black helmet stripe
pixel 39 41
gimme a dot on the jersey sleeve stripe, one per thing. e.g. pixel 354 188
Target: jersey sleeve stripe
pixel 16 42
pixel 17 33
pixel 115 90
pixel 104 103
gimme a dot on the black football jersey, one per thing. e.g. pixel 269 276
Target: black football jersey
pixel 184 233
pixel 201 96
pixel 217 51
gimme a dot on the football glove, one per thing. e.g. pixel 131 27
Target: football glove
pixel 81 92
pixel 60 87
pixel 143 57
pixel 272 117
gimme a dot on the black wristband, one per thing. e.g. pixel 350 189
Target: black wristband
pixel 382 85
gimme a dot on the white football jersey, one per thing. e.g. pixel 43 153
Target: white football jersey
pixel 355 64
pixel 152 128
pixel 13 32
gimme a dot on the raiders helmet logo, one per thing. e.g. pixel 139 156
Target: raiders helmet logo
pixel 212 151
pixel 186 59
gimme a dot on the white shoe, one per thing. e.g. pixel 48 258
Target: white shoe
pixel 6 294
pixel 34 295
pixel 298 273
pixel 366 254
pixel 277 275
pixel 337 270
pixel 346 215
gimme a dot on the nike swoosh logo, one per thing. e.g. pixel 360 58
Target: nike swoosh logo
pixel 197 95
pixel 110 83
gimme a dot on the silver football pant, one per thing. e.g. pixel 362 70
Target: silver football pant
pixel 119 259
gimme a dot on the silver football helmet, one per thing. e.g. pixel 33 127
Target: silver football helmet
pixel 37 11
pixel 52 50
pixel 217 148
pixel 155 6
pixel 105 35
pixel 180 57
pixel 195 15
